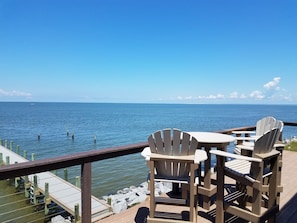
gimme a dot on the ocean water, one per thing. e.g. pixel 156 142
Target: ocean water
pixel 118 124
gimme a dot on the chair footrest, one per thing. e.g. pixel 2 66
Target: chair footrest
pixel 168 200
pixel 233 196
pixel 167 215
pixel 227 219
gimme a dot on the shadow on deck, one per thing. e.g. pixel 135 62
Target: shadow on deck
pixel 288 212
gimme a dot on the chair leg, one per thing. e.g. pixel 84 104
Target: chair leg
pixel 193 195
pixel 220 190
pixel 152 191
pixel 185 189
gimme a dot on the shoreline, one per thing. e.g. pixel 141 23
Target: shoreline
pixel 129 197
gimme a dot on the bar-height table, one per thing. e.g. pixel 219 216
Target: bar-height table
pixel 207 141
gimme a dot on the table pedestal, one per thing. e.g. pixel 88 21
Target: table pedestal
pixel 208 141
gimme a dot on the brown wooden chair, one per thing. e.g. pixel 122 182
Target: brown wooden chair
pixel 248 150
pixel 247 201
pixel 263 125
pixel 173 157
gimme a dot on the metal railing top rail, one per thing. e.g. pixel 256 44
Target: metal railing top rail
pixel 48 164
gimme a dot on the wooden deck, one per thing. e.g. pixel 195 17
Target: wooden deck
pixel 288 200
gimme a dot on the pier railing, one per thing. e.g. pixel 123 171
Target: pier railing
pixel 85 159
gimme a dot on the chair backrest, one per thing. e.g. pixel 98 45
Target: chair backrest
pixel 265 143
pixel 264 124
pixel 172 142
pixel 280 125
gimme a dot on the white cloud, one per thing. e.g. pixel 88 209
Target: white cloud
pixel 185 98
pixel 273 84
pixel 271 92
pixel 257 94
pixel 217 96
pixel 14 93
pixel 236 95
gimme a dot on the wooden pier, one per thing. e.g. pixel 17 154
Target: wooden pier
pixel 63 193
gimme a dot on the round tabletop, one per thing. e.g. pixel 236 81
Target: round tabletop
pixel 212 137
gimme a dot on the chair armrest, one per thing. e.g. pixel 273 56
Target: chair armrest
pixel 235 156
pixel 265 156
pixel 244 132
pixel 199 156
pixel 249 138
pixel 187 158
pixel 146 152
pixel 250 148
pixel 279 145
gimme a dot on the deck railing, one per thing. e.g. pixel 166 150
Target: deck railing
pixel 85 159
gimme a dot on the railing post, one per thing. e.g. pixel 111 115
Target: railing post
pixel 77 181
pixel 86 191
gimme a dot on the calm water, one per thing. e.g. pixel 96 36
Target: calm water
pixel 118 124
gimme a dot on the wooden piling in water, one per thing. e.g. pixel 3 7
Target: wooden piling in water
pixel 77 181
pixel 66 174
pixel 7 160
pixel 18 149
pixel 76 214
pixel 27 187
pixel 16 181
pixel 35 190
pixel 47 199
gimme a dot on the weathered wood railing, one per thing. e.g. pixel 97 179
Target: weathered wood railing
pixel 85 159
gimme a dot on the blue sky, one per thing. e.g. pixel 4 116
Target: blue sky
pixel 149 51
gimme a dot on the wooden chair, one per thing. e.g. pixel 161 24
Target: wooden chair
pixel 248 150
pixel 173 157
pixel 262 125
pixel 247 201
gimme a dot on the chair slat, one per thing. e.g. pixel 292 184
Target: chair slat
pixel 159 142
pixel 167 142
pixel 176 142
pixel 185 145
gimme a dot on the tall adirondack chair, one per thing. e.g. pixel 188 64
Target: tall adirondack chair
pixel 247 202
pixel 247 149
pixel 173 157
pixel 249 146
pixel 263 125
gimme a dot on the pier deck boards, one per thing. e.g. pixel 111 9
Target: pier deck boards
pixel 61 192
